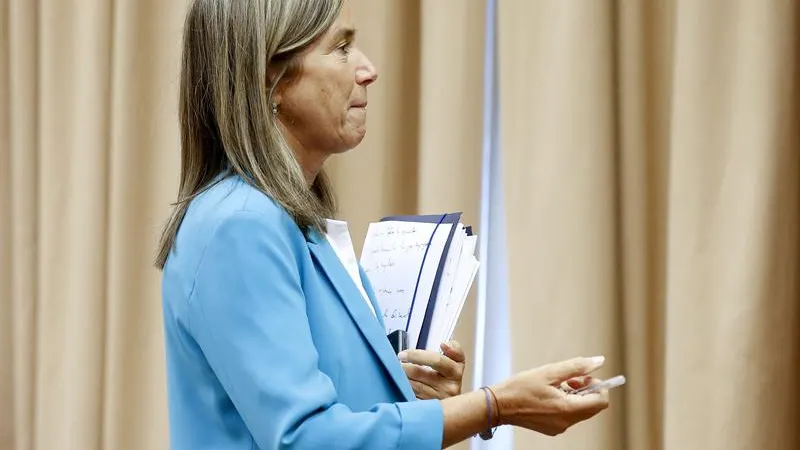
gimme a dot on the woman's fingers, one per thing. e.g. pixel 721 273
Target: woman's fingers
pixel 562 371
pixel 439 362
pixel 579 382
pixel 454 351
pixel 420 373
pixel 423 391
pixel 435 384
pixel 433 374
pixel 590 403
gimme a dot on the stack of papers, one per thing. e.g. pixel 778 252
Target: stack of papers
pixel 421 269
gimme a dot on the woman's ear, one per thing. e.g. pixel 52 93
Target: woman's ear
pixel 275 71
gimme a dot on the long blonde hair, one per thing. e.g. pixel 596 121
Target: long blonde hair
pixel 226 119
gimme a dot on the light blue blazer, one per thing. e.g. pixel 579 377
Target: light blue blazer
pixel 270 344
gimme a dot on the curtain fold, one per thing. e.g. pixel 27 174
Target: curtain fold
pixel 732 266
pixel 558 131
pixel 142 168
pixel 645 32
pixel 6 355
pixel 651 151
pixel 72 218
pixel 451 112
pixel 22 110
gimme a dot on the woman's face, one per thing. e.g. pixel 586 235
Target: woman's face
pixel 324 110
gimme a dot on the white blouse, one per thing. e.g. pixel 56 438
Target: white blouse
pixel 338 236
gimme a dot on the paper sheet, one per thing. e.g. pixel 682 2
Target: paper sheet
pixel 398 260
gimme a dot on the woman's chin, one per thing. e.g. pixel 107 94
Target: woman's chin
pixel 353 140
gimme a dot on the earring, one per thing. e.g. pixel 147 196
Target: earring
pixel 274 109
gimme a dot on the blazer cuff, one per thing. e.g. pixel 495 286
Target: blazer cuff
pixel 422 424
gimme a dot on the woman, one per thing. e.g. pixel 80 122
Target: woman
pixel 272 340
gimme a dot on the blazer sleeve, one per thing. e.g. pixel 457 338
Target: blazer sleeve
pixel 247 313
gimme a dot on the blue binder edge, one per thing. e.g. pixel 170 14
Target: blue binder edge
pixel 450 218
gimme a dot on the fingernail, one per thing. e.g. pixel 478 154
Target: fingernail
pixel 598 360
pixel 403 356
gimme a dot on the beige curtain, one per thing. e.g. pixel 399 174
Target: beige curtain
pixel 652 170
pixel 88 167
pixel 652 178
pixel 92 159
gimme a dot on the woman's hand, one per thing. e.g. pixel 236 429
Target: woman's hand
pixel 433 374
pixel 538 400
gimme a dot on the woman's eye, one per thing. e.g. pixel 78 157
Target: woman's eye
pixel 346 47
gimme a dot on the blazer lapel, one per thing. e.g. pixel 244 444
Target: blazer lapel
pixel 371 328
pixel 371 294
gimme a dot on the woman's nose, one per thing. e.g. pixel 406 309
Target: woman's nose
pixel 366 73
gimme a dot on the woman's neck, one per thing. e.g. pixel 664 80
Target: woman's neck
pixel 311 161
